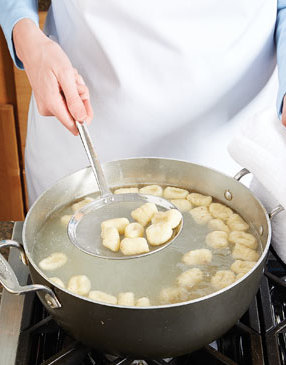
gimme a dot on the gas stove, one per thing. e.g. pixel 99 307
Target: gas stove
pixel 29 335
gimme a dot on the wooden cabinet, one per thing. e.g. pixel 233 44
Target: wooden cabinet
pixel 11 196
pixel 15 93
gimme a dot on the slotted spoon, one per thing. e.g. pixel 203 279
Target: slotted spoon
pixel 85 225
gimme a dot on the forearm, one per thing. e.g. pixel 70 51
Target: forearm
pixel 11 12
pixel 280 38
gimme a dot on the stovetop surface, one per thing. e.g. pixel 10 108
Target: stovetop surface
pixel 29 335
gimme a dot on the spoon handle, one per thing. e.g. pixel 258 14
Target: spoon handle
pixel 92 157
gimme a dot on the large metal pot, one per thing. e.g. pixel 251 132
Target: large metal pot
pixel 159 331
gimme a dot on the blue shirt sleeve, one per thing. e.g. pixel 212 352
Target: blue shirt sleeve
pixel 280 37
pixel 11 11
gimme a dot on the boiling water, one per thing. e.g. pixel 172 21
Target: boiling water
pixel 145 276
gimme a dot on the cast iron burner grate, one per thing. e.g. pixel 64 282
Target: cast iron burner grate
pixel 259 338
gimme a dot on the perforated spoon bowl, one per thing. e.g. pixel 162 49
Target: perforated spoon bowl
pixel 84 228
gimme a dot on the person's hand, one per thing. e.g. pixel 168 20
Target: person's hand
pixel 283 118
pixel 58 88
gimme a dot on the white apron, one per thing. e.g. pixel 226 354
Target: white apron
pixel 167 78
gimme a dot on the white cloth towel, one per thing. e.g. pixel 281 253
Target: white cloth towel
pixel 260 146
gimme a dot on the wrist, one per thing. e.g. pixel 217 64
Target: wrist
pixel 26 34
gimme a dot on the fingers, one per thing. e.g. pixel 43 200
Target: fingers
pixel 62 114
pixel 76 74
pixel 89 111
pixel 63 111
pixel 84 94
pixel 83 91
pixel 69 87
pixel 64 102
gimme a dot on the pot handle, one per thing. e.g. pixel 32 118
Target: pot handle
pixel 10 282
pixel 241 173
pixel 275 210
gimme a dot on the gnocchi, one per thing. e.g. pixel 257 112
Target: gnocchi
pixel 236 223
pixel 200 199
pixel 217 247
pixel 217 239
pixel 143 302
pixel 134 246
pixel 126 299
pixel 190 278
pixel 101 296
pixel 171 192
pixel 217 224
pixel 152 190
pixel 79 284
pixel 111 238
pixel 220 211
pixel 126 191
pixel 65 219
pixel 200 215
pixel 243 238
pixel 144 214
pixel 80 204
pixel 183 205
pixel 200 256
pixel 242 266
pixel 118 223
pixel 240 275
pixel 133 230
pixel 172 217
pixel 173 295
pixel 53 262
pixel 241 252
pixel 158 233
pixel 57 281
pixel 222 279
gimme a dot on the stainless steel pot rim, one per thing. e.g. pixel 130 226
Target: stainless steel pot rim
pixel 165 306
pixel 123 159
